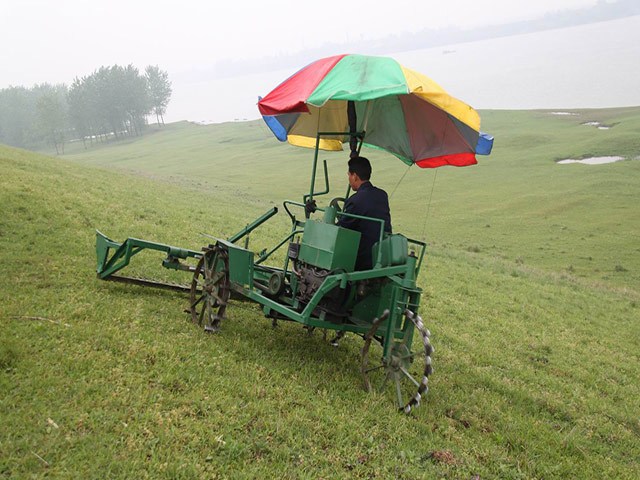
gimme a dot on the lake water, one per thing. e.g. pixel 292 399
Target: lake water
pixel 595 65
pixel 592 160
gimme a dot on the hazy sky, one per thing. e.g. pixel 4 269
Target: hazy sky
pixel 55 40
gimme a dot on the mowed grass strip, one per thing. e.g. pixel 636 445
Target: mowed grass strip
pixel 536 364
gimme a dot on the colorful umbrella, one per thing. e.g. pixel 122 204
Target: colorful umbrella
pixel 400 111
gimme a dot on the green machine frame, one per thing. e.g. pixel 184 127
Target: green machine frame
pixel 316 286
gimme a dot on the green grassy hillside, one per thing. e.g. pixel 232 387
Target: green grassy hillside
pixel 531 293
pixel 517 205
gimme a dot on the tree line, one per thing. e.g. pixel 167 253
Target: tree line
pixel 112 102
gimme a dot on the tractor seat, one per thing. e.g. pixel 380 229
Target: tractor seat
pixel 395 250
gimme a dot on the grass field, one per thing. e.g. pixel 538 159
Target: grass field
pixel 532 295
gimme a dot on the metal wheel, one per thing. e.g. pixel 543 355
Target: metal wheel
pixel 407 372
pixel 210 289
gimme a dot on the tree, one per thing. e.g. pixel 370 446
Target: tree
pixel 112 101
pixel 137 99
pixel 81 116
pixel 51 108
pixel 159 90
pixel 17 116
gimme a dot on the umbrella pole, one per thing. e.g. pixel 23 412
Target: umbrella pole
pixel 356 138
pixel 353 129
pixel 310 205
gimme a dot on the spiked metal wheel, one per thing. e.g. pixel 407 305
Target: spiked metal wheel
pixel 210 289
pixel 405 370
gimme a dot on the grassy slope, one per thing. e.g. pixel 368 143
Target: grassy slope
pixel 531 289
pixel 517 204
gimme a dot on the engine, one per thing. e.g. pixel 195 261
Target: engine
pixel 309 279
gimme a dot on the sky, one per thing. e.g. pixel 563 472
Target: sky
pixel 55 41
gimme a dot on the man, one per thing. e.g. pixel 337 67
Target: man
pixel 368 201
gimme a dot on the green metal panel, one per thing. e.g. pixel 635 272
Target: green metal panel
pixel 240 265
pixel 374 304
pixel 328 246
pixel 395 249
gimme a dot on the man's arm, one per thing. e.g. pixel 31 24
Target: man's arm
pixel 348 222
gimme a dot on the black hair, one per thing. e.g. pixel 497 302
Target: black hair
pixel 361 167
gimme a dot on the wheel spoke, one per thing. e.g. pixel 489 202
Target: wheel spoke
pixel 210 287
pixel 407 356
pixel 201 316
pixel 384 382
pixel 217 276
pixel 210 313
pixel 194 304
pixel 409 376
pixel 373 368
pixel 399 392
pixel 397 368
pixel 216 297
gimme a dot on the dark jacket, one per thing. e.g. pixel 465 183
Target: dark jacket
pixel 368 201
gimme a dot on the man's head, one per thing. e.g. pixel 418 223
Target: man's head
pixel 359 172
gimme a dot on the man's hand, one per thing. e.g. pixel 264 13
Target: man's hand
pixel 309 208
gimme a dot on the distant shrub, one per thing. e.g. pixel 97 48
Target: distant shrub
pixel 620 268
pixel 473 248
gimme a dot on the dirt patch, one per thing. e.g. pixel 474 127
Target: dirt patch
pixel 443 456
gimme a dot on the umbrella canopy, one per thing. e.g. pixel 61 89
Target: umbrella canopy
pixel 400 111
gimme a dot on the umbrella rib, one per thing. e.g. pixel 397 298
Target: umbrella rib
pixel 400 181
